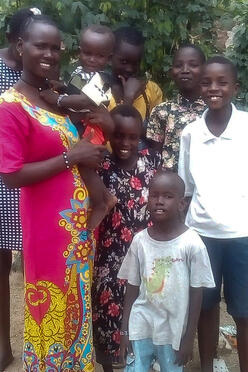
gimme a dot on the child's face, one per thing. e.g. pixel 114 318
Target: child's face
pixel 125 139
pixel 126 60
pixel 95 50
pixel 164 201
pixel 218 85
pixel 186 69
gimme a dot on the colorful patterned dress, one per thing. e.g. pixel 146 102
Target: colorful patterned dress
pixel 129 216
pixel 58 251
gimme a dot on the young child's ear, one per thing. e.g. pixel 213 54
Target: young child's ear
pixel 183 205
pixel 237 86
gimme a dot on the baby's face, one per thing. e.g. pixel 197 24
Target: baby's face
pixel 95 50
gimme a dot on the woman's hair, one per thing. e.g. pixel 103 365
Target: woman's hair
pixel 129 35
pixel 16 21
pixel 40 18
pixel 224 61
pixel 192 46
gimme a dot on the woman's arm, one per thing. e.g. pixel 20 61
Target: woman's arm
pixel 82 153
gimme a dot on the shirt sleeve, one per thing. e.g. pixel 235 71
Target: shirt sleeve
pixel 156 124
pixel 155 94
pixel 130 268
pixel 200 268
pixel 184 163
pixel 13 139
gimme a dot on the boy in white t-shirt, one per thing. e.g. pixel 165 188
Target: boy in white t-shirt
pixel 212 163
pixel 166 267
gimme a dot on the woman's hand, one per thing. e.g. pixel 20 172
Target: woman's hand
pixel 132 88
pixel 86 154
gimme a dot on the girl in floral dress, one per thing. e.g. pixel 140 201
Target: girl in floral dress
pixel 127 174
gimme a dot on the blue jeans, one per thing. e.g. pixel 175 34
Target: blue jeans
pixel 145 352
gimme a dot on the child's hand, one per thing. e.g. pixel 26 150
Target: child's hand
pixel 49 96
pixel 132 87
pixel 102 118
pixel 185 352
pixel 125 348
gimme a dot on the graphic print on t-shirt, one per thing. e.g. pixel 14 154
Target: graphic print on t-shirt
pixel 160 272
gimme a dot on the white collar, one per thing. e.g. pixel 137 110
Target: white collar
pixel 228 132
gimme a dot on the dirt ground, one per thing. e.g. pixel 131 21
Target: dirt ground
pixel 17 330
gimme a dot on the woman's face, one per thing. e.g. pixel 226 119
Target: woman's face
pixel 40 49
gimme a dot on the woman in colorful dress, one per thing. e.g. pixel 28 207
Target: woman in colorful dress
pixel 127 174
pixel 39 152
pixel 10 225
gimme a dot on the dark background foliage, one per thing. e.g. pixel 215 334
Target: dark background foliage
pixel 164 23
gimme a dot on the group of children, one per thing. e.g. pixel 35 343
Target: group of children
pixel 169 258
pixel 155 288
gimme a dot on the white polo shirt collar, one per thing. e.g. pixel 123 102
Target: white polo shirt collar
pixel 228 133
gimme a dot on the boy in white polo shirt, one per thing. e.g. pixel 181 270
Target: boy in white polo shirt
pixel 212 163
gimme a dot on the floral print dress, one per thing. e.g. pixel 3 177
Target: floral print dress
pixel 129 216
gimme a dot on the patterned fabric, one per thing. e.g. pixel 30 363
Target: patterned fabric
pixel 10 225
pixel 116 232
pixel 58 250
pixel 166 123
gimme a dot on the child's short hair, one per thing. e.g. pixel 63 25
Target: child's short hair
pixel 99 29
pixel 126 111
pixel 178 181
pixel 129 35
pixel 224 61
pixel 192 46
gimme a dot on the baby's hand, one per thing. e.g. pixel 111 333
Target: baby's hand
pixel 49 96
pixel 58 86
pixel 185 352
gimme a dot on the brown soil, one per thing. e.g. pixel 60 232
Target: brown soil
pixel 231 359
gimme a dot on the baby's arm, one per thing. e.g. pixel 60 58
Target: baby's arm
pixel 131 295
pixel 74 101
pixel 184 355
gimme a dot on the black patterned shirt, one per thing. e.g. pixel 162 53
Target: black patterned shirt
pixel 166 123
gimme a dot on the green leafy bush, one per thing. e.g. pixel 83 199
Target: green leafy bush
pixel 165 24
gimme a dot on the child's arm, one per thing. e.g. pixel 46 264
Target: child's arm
pixel 184 355
pixel 131 295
